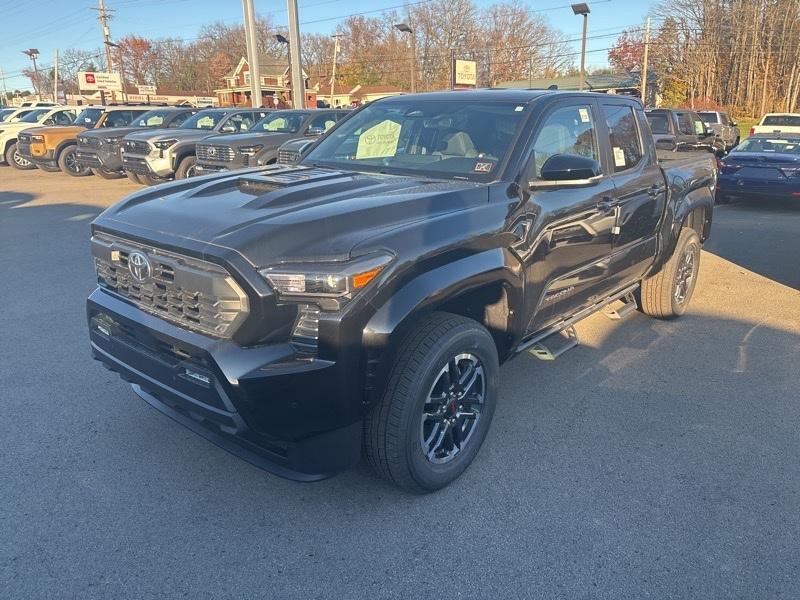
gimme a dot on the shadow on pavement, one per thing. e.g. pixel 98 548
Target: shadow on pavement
pixel 761 236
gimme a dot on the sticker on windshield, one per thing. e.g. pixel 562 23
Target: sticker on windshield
pixel 379 141
pixel 619 157
pixel 584 113
pixel 483 167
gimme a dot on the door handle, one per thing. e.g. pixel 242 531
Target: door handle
pixel 654 190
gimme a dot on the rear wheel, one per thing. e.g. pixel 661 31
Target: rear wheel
pixel 107 174
pixel 134 177
pixel 667 293
pixel 14 159
pixel 186 168
pixel 49 168
pixel 68 163
pixel 438 405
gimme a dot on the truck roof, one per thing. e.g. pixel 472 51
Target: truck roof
pixel 484 94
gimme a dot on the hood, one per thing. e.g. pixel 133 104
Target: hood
pixel 62 130
pixel 298 144
pixel 240 139
pixel 19 126
pixel 176 133
pixel 286 214
pixel 112 132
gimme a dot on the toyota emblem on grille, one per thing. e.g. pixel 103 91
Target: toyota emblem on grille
pixel 212 151
pixel 139 266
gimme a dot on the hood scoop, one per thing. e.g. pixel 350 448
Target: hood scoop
pixel 281 177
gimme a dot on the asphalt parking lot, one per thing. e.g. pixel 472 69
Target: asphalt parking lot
pixel 656 460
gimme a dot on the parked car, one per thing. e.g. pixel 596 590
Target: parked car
pixel 157 156
pixel 5 113
pixel 762 166
pixel 777 123
pixel 677 130
pixel 13 115
pixel 54 148
pixel 37 117
pixel 101 150
pixel 366 296
pixel 725 128
pixel 259 145
pixel 290 152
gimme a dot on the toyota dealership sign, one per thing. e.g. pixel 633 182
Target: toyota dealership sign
pixel 94 81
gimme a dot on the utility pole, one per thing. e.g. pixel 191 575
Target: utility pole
pixel 251 39
pixel 298 85
pixel 333 70
pixel 644 61
pixel 5 90
pixel 55 77
pixel 103 17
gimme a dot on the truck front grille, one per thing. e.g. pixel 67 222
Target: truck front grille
pixel 184 290
pixel 89 142
pixel 215 153
pixel 137 147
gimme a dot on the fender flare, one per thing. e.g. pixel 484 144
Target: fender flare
pixel 62 145
pixel 182 153
pixel 674 222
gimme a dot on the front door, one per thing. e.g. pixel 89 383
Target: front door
pixel 567 247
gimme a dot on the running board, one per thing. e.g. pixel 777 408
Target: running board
pixel 628 306
pixel 555 344
pixel 545 339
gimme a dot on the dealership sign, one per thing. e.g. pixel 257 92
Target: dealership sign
pixel 92 81
pixel 146 90
pixel 466 72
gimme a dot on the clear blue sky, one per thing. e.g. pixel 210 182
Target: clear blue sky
pixel 50 24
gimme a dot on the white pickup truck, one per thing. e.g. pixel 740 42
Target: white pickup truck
pixel 777 123
pixel 36 117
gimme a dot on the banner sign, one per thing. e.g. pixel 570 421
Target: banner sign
pixel 466 72
pixel 107 82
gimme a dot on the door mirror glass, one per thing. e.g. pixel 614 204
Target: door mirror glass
pixel 569 167
pixel 709 131
pixel 315 131
pixel 228 128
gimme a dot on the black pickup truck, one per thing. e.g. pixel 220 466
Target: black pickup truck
pixel 362 301
pixel 679 130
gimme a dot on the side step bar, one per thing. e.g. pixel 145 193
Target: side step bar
pixel 554 341
pixel 627 307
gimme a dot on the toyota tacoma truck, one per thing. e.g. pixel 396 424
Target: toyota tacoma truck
pixel 158 156
pixel 101 151
pixel 678 130
pixel 54 149
pixel 360 302
pixel 38 117
pixel 259 144
pixel 725 129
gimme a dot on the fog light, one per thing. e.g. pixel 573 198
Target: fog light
pixel 305 334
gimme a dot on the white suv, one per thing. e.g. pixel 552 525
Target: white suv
pixel 37 117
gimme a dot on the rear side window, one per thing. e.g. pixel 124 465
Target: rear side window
pixel 786 120
pixel 64 117
pixel 118 118
pixel 567 130
pixel 324 122
pixel 626 145
pixel 685 125
pixel 659 122
pixel 710 117
pixel 179 119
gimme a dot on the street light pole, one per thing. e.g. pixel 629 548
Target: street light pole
pixel 298 85
pixel 33 54
pixel 404 27
pixel 251 41
pixel 335 56
pixel 582 9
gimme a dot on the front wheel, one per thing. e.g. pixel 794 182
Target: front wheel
pixel 68 163
pixel 14 159
pixel 186 168
pixel 438 405
pixel 107 174
pixel 666 294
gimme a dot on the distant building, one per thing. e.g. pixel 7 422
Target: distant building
pixel 275 85
pixel 627 84
pixel 352 95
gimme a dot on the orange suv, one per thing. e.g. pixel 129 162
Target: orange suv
pixel 53 148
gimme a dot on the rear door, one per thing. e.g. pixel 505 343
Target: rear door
pixel 640 191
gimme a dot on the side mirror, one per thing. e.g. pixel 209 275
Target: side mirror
pixel 734 124
pixel 228 128
pixel 315 131
pixel 709 132
pixel 568 170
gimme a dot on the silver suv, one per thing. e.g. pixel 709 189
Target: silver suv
pixel 157 156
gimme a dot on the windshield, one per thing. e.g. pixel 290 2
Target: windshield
pixel 152 118
pixel 709 117
pixel 789 146
pixel 788 120
pixel 4 113
pixel 281 122
pixel 34 115
pixel 204 120
pixel 659 122
pixel 88 117
pixel 460 139
pixel 20 115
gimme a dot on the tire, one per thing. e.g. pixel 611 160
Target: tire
pixel 395 429
pixel 67 164
pixel 15 160
pixel 186 167
pixel 151 179
pixel 106 174
pixel 49 168
pixel 666 294
pixel 134 177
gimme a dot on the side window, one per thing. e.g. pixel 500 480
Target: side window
pixel 626 146
pixel 723 117
pixel 323 122
pixel 64 117
pixel 567 130
pixel 241 121
pixel 685 125
pixel 118 118
pixel 179 119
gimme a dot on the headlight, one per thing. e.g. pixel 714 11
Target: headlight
pixel 164 144
pixel 341 280
pixel 37 138
pixel 250 150
pixel 111 140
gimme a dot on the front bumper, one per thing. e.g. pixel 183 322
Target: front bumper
pixel 206 169
pixel 100 158
pixel 147 165
pixel 262 403
pixel 43 157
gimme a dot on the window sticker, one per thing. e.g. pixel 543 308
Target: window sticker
pixel 699 127
pixel 584 113
pixel 483 167
pixel 379 141
pixel 619 157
